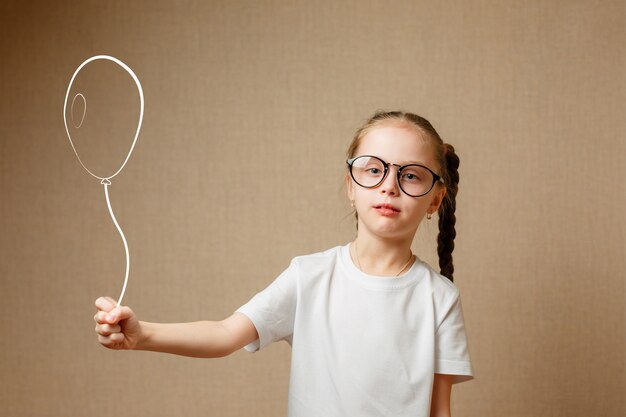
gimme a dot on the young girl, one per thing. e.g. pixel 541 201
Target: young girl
pixel 374 330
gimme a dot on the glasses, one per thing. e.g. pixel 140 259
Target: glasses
pixel 414 180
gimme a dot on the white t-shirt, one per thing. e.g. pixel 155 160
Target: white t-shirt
pixel 362 345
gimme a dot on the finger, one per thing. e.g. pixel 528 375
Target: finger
pixel 111 300
pixel 107 329
pixel 119 313
pixel 117 337
pixel 112 340
pixel 100 317
pixel 102 303
pixel 105 304
pixel 105 340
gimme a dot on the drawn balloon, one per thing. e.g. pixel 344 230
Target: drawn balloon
pixel 79 108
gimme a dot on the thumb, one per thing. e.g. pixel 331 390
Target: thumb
pixel 119 313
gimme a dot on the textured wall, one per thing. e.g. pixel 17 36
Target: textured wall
pixel 532 94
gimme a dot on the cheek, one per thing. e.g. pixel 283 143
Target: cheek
pixel 356 197
pixel 419 208
pixel 363 199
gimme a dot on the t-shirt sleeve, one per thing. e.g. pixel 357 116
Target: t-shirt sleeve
pixel 451 350
pixel 272 310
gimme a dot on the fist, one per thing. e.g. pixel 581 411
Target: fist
pixel 117 327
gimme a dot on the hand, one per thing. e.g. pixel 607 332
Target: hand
pixel 117 327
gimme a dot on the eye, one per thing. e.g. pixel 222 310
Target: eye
pixel 368 166
pixel 413 175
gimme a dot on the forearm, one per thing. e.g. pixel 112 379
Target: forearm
pixel 201 339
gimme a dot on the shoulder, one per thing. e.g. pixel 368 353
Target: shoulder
pixel 316 267
pixel 441 287
pixel 323 259
pixel 445 296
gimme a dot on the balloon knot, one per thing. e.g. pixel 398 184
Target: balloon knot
pixel 105 181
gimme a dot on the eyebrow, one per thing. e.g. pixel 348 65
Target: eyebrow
pixel 410 163
pixel 399 163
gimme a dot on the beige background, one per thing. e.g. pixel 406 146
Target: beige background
pixel 530 93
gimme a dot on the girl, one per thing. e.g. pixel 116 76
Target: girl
pixel 374 330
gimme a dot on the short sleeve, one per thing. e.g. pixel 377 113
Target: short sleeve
pixel 272 311
pixel 451 349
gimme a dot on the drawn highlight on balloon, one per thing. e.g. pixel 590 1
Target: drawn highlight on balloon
pixel 106 181
pixel 82 118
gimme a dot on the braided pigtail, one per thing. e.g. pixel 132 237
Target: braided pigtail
pixel 447 219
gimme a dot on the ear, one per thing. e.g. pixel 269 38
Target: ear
pixel 349 187
pixel 437 200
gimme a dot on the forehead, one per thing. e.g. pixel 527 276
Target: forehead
pixel 397 144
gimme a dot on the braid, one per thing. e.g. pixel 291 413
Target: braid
pixel 447 219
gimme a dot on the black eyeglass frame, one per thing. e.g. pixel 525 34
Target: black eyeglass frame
pixel 436 178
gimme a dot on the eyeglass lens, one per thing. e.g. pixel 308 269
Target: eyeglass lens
pixel 369 171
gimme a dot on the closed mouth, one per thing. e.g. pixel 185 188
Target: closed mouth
pixel 386 207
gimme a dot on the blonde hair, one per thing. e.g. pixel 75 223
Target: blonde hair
pixel 448 162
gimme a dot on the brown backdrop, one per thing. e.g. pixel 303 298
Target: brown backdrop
pixel 530 93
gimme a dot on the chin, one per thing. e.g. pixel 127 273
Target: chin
pixel 394 232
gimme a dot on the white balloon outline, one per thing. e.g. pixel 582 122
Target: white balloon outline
pixel 69 87
pixel 106 180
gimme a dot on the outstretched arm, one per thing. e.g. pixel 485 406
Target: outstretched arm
pixel 118 328
pixel 201 339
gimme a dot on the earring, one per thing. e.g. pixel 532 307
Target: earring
pixel 352 203
pixel 429 216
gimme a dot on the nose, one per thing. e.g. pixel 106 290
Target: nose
pixel 390 183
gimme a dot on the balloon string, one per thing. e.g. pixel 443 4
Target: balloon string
pixel 106 183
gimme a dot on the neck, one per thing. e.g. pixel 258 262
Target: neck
pixel 382 257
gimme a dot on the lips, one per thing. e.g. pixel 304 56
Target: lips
pixel 386 209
